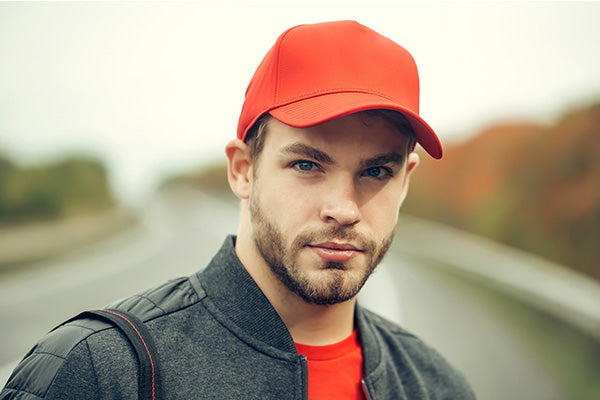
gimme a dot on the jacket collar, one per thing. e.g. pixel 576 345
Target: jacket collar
pixel 371 350
pixel 238 298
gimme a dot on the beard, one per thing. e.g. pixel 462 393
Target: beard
pixel 335 283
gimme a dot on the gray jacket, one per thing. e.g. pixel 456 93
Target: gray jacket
pixel 218 337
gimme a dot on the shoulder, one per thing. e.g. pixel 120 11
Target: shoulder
pixel 34 375
pixel 167 298
pixel 65 355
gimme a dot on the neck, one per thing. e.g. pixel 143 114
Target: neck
pixel 314 324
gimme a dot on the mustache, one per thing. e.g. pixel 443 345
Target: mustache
pixel 334 233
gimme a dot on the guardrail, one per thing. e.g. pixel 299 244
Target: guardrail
pixel 549 287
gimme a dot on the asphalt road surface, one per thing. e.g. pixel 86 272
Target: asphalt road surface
pixel 180 233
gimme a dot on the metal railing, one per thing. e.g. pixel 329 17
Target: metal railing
pixel 549 287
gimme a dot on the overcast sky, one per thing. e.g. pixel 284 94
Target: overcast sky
pixel 152 88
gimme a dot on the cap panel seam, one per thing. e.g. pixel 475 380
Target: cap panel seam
pixel 277 65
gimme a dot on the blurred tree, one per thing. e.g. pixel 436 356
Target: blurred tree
pixel 71 186
pixel 529 186
pixel 211 178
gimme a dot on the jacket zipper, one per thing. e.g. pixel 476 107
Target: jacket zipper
pixel 304 363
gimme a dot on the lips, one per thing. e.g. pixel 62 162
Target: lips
pixel 335 252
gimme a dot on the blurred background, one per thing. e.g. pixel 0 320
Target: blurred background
pixel 113 122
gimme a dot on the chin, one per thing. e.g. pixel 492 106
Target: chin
pixel 330 286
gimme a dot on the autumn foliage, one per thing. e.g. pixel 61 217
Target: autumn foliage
pixel 529 186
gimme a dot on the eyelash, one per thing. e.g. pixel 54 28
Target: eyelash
pixel 388 172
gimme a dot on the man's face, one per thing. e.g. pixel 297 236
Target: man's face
pixel 324 203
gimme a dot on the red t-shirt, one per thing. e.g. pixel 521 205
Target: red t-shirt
pixel 334 371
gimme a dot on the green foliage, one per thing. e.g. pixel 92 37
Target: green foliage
pixel 71 186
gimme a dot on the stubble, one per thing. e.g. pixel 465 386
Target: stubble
pixel 336 284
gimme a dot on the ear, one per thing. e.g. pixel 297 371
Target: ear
pixel 411 164
pixel 239 168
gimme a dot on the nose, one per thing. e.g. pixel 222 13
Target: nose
pixel 340 203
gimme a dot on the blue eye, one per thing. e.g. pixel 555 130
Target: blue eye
pixel 375 172
pixel 305 165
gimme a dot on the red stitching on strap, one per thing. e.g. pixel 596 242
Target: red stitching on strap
pixel 142 339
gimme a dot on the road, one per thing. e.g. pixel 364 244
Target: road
pixel 179 234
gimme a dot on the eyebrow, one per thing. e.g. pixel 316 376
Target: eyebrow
pixel 383 159
pixel 307 151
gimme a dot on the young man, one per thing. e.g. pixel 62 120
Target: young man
pixel 321 165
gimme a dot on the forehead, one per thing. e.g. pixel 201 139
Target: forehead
pixel 358 135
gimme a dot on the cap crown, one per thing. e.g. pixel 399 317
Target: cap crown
pixel 317 72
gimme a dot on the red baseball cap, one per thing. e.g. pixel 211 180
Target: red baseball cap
pixel 318 72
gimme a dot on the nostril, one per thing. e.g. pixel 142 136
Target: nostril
pixel 343 213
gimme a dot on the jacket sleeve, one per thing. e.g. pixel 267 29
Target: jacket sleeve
pixel 59 367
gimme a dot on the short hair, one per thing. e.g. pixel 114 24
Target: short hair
pixel 255 138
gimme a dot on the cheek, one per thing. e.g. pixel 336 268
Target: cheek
pixel 287 205
pixel 381 212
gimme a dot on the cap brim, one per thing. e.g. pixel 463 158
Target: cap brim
pixel 322 108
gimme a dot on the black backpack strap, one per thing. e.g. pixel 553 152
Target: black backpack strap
pixel 139 337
